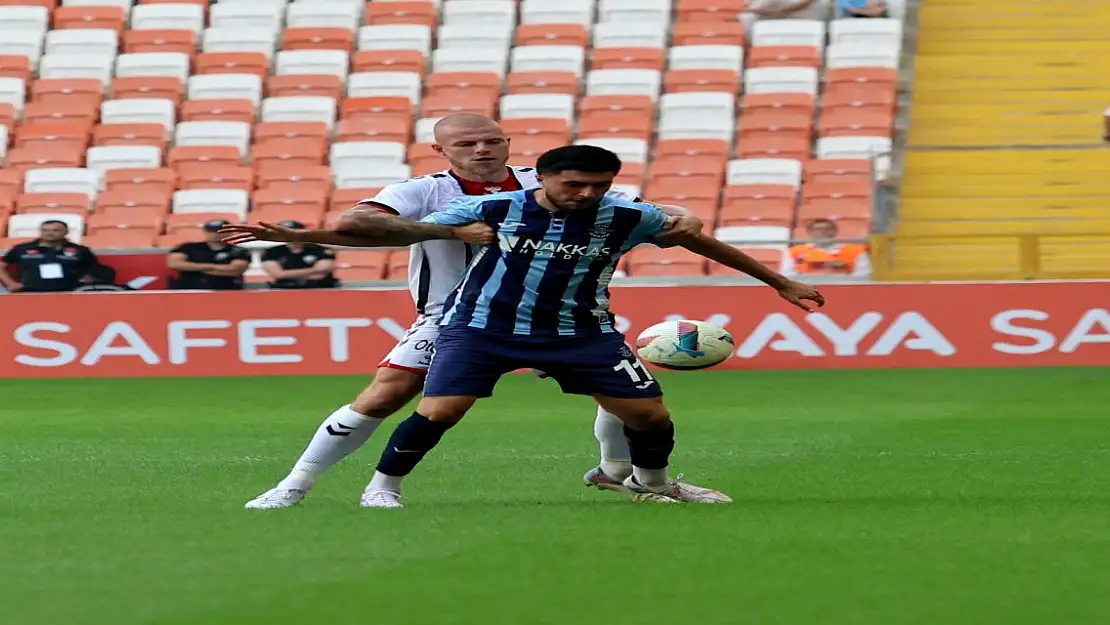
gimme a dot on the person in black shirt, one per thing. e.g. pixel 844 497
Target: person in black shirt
pixel 300 265
pixel 210 264
pixel 49 264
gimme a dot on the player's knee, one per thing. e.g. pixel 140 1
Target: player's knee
pixel 445 409
pixel 640 414
pixel 388 393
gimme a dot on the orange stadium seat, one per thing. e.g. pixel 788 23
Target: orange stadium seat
pixel 232 63
pixel 119 239
pixel 708 33
pixel 277 175
pixel 15 66
pixel 7 114
pixel 657 261
pixel 395 108
pixel 768 257
pixel 547 127
pixel 69 203
pixel 552 35
pixel 79 112
pixel 794 147
pixel 215 176
pixel 7 207
pixel 837 169
pixel 462 84
pixel 423 13
pixel 11 183
pixel 218 110
pixel 284 85
pixel 281 132
pixel 717 148
pixel 640 104
pixel 306 201
pixel 860 79
pixel 631 173
pixel 139 181
pixel 301 151
pixel 630 125
pixel 877 101
pixel 185 155
pixel 193 221
pixel 838 209
pixel 695 172
pixel 67 91
pixel 702 201
pixel 710 10
pixel 307 215
pixel 628 58
pixel 23 159
pixel 761 125
pixel 783 56
pixel 389 61
pixel 61 136
pixel 849 123
pixel 527 149
pixel 478 103
pixel 837 189
pixel 370 128
pixel 711 80
pixel 131 208
pixel 182 41
pixel 148 87
pixel 343 199
pixel 398 266
pixel 295 38
pixel 542 82
pixel 130 134
pixel 422 156
pixel 101 17
pixel 768 204
pixel 799 104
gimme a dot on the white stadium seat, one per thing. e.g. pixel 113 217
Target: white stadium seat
pixel 395 37
pixel 561 12
pixel 371 84
pixel 62 180
pixel 233 201
pixel 139 111
pixel 486 14
pixel 789 33
pixel 27 226
pixel 424 132
pixel 772 237
pixel 877 148
pixel 107 157
pixel 687 126
pixel 323 14
pixel 92 41
pixel 255 14
pixel 351 154
pixel 764 171
pixel 168 16
pixel 77 66
pixel 537 105
pixel 469 60
pixel 123 4
pixel 466 36
pixel 13 91
pixel 24 18
pixel 549 59
pixel 717 106
pixel 225 86
pixel 335 62
pixel 624 82
pixel 707 57
pixel 876 32
pixel 862 55
pixel 175 64
pixel 26 43
pixel 657 12
pixel 630 150
pixel 629 35
pixel 781 80
pixel 375 177
pixel 300 109
pixel 3 143
pixel 220 39
pixel 234 134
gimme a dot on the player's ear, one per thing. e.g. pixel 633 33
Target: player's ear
pixel 539 178
pixel 438 148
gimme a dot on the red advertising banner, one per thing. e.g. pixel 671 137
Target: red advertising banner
pixel 347 332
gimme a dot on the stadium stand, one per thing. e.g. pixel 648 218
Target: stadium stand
pixel 163 114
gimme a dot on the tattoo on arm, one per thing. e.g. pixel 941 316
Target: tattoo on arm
pixel 378 229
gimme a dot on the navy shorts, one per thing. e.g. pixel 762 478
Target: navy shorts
pixel 468 362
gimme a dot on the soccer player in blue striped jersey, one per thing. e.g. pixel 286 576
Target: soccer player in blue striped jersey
pixel 538 298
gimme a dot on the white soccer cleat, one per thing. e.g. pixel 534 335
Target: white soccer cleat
pixel 596 478
pixel 381 499
pixel 277 498
pixel 676 491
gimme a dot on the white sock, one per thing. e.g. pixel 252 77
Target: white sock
pixel 616 459
pixel 337 437
pixel 650 477
pixel 381 481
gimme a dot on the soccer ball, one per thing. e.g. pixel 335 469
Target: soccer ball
pixel 684 344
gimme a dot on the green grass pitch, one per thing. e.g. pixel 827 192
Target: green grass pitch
pixel 863 498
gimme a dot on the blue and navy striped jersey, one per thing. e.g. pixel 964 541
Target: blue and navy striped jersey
pixel 549 273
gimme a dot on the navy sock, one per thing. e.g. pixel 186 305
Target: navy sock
pixel 412 439
pixel 650 449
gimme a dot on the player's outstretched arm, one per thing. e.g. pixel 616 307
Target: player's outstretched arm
pixel 801 295
pixel 359 227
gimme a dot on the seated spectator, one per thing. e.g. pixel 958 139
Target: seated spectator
pixel 210 264
pixel 862 8
pixel 300 265
pixel 49 264
pixel 825 255
pixel 781 9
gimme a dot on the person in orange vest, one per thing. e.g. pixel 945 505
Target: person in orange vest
pixel 825 255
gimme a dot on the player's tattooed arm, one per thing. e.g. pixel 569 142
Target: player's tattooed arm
pixel 374 228
pixel 683 226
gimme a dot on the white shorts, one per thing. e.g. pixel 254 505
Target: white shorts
pixel 414 351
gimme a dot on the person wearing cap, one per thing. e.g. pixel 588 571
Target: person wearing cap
pixel 210 264
pixel 299 265
pixel 49 264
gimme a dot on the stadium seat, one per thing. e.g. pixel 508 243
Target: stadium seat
pixel 780 80
pixel 454 36
pixel 106 157
pixel 397 109
pixel 545 127
pixel 696 172
pixel 219 176
pixel 420 12
pixel 835 169
pixel 412 61
pixel 630 150
pixel 299 109
pixel 67 90
pixel 398 269
pixel 864 102
pixel 493 15
pixel 94 42
pixel 876 32
pixel 791 32
pixel 385 84
pixel 139 111
pixel 303 150
pixel 531 105
pixel 54 203
pixel 326 85
pixel 15 66
pixel 330 15
pixel 181 40
pixel 312 62
pixel 552 34
pixel 97 17
pixel 76 112
pixel 190 223
pixel 306 203
pixel 701 201
pixel 629 125
pixel 185 155
pixel 317 39
pixel 765 204
pixel 225 87
pixel 131 208
pixel 218 133
pixel 229 201
pixel 776 147
pixel 371 129
pixel 13 91
pixel 343 199
pixel 31 19
pixel 242 111
pixel 708 33
pixel 396 37
pixel 849 123
pixel 233 63
pixel 366 154
pixel 469 59
pixel 707 80
pixel 764 171
pixel 148 88
pixel 141 182
pixel 629 35
pixel 279 175
pixel 119 239
pixel 720 148
pixel 461 84
pixel 803 104
pixel 649 260
pixel 378 177
pixel 624 82
pixel 841 55
pixel 877 148
pixel 550 58
pixel 774 125
pixel 628 58
pixel 784 56
pixel 168 16
pixel 284 131
pixel 577 12
pixel 769 237
pixel 69 136
pixel 706 57
pixel 451 104
pixel 45 158
pixel 526 150
pixel 247 15
pixel 149 64
pixel 656 12
pixel 217 40
pixel 542 82
pixel 77 66
pixel 424 129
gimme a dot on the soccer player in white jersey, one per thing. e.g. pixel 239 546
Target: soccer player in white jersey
pixel 478 151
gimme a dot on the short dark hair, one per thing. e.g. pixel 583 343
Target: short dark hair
pixel 55 221
pixel 587 158
pixel 821 220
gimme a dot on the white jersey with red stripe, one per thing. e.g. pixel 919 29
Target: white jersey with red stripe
pixel 435 267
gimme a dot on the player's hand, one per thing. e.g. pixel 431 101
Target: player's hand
pixel 236 234
pixel 679 230
pixel 804 296
pixel 476 232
